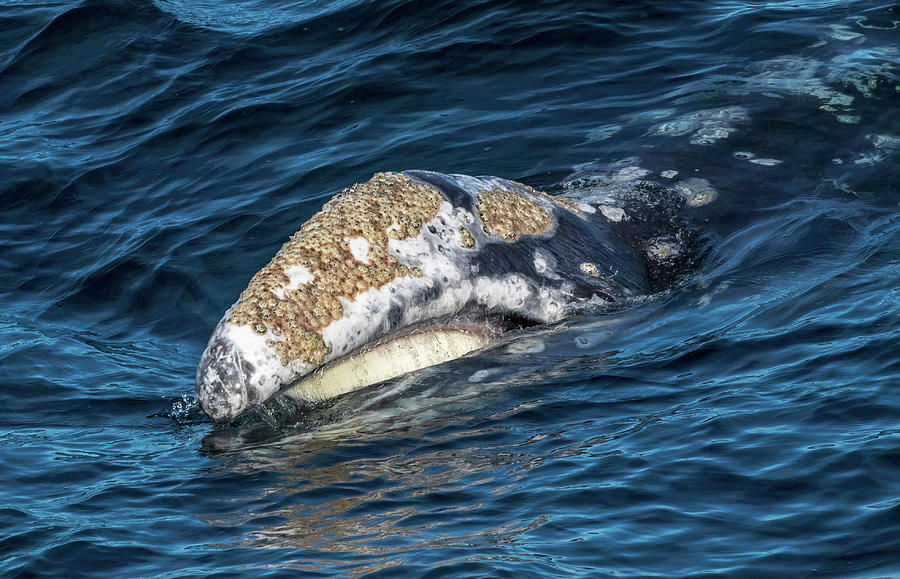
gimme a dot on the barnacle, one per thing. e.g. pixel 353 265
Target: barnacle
pixel 388 206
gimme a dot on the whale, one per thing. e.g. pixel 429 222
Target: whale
pixel 415 268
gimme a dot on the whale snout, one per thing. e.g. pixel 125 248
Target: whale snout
pixel 237 371
pixel 222 381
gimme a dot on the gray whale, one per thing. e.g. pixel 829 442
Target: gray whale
pixel 415 268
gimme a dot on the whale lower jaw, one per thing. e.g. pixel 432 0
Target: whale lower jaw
pixel 391 357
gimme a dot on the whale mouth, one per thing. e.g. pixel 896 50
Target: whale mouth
pixel 408 350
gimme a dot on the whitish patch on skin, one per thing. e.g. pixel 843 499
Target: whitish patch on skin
pixel 527 346
pixel 510 291
pixel 663 248
pixel 298 275
pixel 359 247
pixel 696 192
pixel 705 127
pixel 545 264
pixel 613 213
pixel 707 298
pixel 748 156
pixel 630 174
pixel 765 162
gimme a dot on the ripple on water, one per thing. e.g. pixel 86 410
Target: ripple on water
pixel 154 156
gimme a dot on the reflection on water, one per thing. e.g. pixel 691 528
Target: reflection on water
pixel 430 495
pixel 155 155
pixel 459 463
pixel 391 471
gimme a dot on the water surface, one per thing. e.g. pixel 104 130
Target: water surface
pixel 154 155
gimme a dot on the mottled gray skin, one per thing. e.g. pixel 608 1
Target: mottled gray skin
pixel 589 238
pixel 500 284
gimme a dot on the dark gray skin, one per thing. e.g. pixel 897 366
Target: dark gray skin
pixel 618 248
pixel 576 240
pixel 624 242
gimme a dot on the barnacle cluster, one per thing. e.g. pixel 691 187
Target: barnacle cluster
pixel 509 214
pixel 389 206
pixel 466 239
pixel 563 202
pixel 588 268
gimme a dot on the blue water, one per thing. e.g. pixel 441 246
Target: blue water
pixel 154 155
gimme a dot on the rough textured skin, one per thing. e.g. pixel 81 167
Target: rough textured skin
pixel 466 239
pixel 559 201
pixel 422 249
pixel 390 205
pixel 509 215
pixel 590 269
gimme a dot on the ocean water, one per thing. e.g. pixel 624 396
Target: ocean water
pixel 155 154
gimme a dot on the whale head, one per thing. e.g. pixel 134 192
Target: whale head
pixel 410 270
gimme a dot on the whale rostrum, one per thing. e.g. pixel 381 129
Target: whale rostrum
pixel 412 269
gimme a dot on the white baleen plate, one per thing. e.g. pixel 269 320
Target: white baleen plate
pixel 388 360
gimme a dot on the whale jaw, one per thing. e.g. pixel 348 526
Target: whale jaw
pixel 390 358
pixel 238 370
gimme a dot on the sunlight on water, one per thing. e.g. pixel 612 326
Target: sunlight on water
pixel 743 417
pixel 249 17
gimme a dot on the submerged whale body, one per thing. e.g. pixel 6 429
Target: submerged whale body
pixel 416 268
